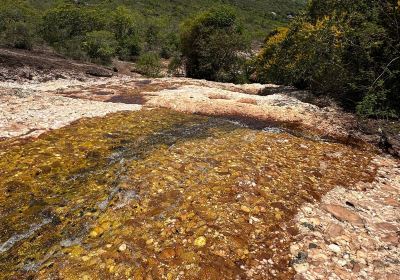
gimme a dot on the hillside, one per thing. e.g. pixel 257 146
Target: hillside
pixel 259 16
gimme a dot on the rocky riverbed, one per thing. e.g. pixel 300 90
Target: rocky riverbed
pixel 129 178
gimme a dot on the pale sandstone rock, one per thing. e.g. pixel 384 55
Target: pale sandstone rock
pixel 343 214
pixel 334 230
pixel 334 248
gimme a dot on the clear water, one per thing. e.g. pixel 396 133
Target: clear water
pixel 161 195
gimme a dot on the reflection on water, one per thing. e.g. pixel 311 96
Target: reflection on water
pixel 161 195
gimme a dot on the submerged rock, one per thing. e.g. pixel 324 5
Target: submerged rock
pixel 200 241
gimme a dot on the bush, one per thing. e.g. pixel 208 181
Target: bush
pixel 123 25
pixel 347 50
pixel 18 23
pixel 69 22
pixel 170 46
pixel 100 46
pixel 211 45
pixel 73 48
pixel 175 66
pixel 149 64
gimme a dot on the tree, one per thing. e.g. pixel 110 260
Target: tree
pixel 67 22
pixel 349 50
pixel 212 43
pixel 123 25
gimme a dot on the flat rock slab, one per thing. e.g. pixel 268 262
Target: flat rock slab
pixel 343 214
pixel 25 114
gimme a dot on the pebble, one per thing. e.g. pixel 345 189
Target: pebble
pixel 122 247
pixel 200 241
pixel 294 249
pixel 307 210
pixel 244 208
pixel 334 248
pixel 302 267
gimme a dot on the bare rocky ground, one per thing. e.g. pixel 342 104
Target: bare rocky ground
pixel 350 234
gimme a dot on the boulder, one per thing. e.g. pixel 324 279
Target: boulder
pixel 99 72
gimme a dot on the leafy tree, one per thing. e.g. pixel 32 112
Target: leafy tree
pixel 347 49
pixel 123 25
pixel 67 22
pixel 101 46
pixel 211 45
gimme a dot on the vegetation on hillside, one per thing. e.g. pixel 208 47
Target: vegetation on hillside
pixel 349 50
pixel 18 24
pixel 99 30
pixel 212 43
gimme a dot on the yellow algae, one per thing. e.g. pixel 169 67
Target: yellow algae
pixel 192 197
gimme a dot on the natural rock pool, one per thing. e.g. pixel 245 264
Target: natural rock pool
pixel 157 194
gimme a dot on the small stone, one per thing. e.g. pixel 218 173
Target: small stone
pixel 167 254
pixel 200 241
pixel 244 208
pixel 356 267
pixel 301 257
pixel 149 241
pixel 122 247
pixel 294 249
pixel 85 258
pixel 307 210
pixel 342 262
pixel 312 246
pixel 334 248
pixel 343 214
pixel 301 267
pixel 386 227
pixel 361 255
pixel 315 222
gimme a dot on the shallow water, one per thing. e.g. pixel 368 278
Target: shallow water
pixel 161 195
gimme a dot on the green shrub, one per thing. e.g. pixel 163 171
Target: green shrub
pixel 175 66
pixel 349 50
pixel 149 64
pixel 211 45
pixel 170 46
pixel 153 36
pixel 18 23
pixel 73 48
pixel 100 46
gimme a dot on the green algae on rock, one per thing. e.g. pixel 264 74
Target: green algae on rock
pixel 162 195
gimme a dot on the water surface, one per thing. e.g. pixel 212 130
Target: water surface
pixel 161 195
